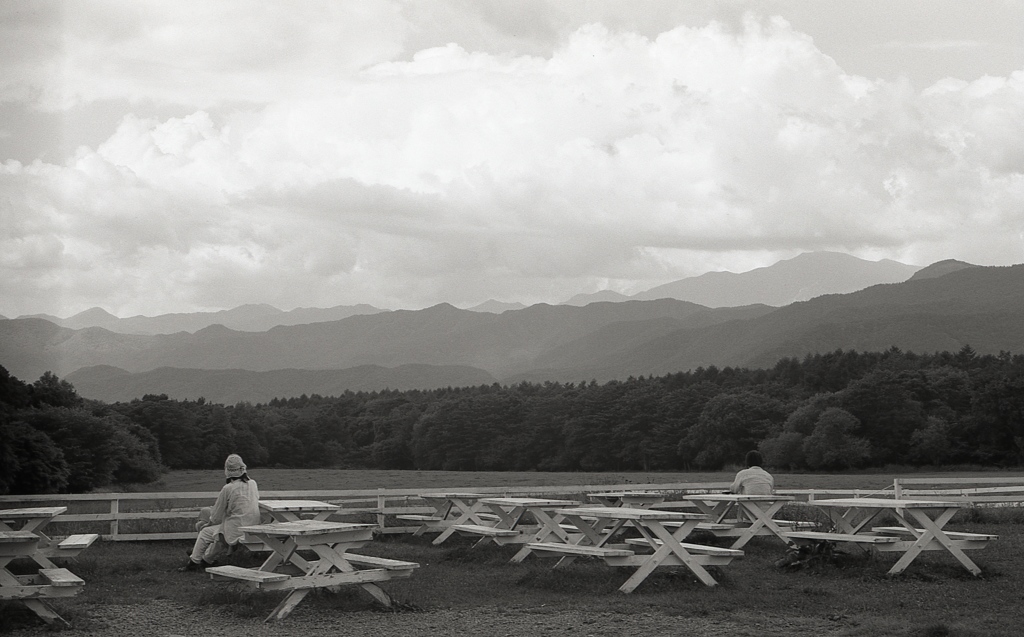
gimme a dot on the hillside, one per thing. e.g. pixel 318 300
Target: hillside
pixel 979 306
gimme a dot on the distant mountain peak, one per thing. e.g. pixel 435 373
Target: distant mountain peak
pixel 596 297
pixel 495 307
pixel 94 314
pixel 800 278
pixel 941 268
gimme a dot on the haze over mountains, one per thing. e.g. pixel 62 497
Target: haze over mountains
pixel 941 307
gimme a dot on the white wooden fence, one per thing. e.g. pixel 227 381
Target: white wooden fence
pixel 169 516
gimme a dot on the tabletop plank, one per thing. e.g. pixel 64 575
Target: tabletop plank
pixel 297 505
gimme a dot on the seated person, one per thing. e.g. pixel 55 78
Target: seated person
pixel 753 480
pixel 237 505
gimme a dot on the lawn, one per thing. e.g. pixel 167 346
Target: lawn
pixel 849 596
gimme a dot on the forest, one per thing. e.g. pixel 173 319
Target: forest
pixel 826 412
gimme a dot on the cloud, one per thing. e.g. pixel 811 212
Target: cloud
pixel 327 175
pixel 191 52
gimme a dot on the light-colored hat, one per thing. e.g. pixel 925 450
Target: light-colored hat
pixel 233 466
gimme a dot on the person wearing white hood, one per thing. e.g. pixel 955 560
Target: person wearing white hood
pixel 237 505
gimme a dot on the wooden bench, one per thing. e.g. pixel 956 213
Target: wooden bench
pixel 696 549
pixel 486 531
pixel 953 535
pixel 710 526
pixel 78 542
pixel 60 577
pixel 380 562
pixel 841 537
pixel 796 524
pixel 575 549
pixel 248 574
pixel 414 517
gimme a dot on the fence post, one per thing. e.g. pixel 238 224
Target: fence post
pixel 381 501
pixel 114 510
pixel 897 488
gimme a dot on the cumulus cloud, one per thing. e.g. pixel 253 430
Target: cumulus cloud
pixel 329 169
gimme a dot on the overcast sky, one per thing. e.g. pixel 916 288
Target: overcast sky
pixel 188 156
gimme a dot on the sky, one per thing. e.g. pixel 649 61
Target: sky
pixel 187 156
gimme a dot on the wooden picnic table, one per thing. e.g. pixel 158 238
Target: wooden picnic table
pixel 292 510
pixel 34 589
pixel 286 569
pixel 921 528
pixel 741 515
pixel 35 521
pixel 597 525
pixel 450 508
pixel 505 524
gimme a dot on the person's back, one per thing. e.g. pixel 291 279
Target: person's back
pixel 242 508
pixel 753 480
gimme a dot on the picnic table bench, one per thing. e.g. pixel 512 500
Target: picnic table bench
pixel 34 589
pixel 285 569
pixel 658 547
pixel 35 520
pixel 922 520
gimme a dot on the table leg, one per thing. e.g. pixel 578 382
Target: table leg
pixel 669 546
pixel 932 531
pixel 36 526
pixel 847 520
pixel 331 557
pixel 468 515
pixel 548 526
pixel 759 518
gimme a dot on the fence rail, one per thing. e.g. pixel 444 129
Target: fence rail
pixel 123 517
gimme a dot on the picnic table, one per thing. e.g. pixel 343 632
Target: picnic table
pixel 293 510
pixel 450 508
pixel 921 528
pixel 50 581
pixel 742 515
pixel 598 524
pixel 35 520
pixel 288 570
pixel 508 526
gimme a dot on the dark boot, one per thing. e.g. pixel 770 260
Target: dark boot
pixel 191 566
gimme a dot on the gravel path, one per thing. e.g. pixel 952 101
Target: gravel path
pixel 163 618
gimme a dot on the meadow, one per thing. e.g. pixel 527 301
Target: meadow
pixel 460 588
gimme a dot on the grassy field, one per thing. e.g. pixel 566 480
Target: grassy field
pixel 313 479
pixel 849 596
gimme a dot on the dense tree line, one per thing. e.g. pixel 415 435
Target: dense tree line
pixel 831 411
pixel 53 441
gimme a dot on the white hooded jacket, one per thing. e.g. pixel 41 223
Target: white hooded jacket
pixel 237 505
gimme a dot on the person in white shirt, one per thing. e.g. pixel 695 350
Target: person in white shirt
pixel 237 505
pixel 753 480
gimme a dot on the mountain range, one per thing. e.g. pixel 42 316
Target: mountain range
pixel 942 307
pixel 802 277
